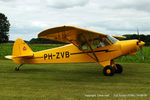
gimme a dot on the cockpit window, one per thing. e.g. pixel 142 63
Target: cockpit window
pixel 112 39
pixel 97 43
pixel 102 42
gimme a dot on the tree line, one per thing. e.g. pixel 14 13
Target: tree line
pixel 142 37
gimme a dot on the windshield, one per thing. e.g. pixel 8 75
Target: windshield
pixel 112 39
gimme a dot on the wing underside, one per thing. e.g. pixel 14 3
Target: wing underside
pixel 70 34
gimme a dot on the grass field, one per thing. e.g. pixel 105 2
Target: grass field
pixel 72 82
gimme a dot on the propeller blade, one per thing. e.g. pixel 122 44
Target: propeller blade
pixel 141 49
pixel 138 34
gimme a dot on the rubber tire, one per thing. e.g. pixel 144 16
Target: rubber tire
pixel 119 69
pixel 111 69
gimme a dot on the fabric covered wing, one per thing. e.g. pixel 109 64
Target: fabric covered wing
pixel 70 34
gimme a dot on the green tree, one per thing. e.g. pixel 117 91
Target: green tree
pixel 4 28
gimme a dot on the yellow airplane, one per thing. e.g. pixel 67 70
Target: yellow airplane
pixel 85 47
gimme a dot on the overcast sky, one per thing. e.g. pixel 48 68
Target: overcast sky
pixel 117 17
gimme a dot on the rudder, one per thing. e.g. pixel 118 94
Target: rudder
pixel 20 48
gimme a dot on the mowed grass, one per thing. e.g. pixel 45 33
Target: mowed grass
pixel 72 82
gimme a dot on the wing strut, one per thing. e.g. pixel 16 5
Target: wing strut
pixel 91 48
pixel 80 48
pixel 83 50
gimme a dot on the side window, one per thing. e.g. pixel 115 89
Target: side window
pixel 103 42
pixel 85 47
pixel 95 43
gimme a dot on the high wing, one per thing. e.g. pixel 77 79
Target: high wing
pixel 70 34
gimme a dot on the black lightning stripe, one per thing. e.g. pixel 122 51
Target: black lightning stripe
pixel 91 51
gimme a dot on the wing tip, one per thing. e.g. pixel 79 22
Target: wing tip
pixel 120 37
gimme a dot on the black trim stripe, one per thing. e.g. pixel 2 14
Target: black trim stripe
pixel 94 51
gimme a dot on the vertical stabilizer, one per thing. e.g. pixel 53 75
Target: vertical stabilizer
pixel 20 48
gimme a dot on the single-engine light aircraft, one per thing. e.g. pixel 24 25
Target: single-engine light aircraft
pixel 85 47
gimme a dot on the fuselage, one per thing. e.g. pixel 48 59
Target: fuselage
pixel 72 54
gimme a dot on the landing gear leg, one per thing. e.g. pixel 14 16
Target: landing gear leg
pixel 118 68
pixel 17 68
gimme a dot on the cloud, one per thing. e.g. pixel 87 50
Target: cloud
pixel 142 5
pixel 63 4
pixel 25 33
pixel 5 0
pixel 107 16
pixel 39 24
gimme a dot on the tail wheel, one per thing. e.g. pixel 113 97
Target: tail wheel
pixel 17 69
pixel 119 68
pixel 108 71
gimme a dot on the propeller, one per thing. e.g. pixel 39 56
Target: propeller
pixel 141 49
pixel 138 35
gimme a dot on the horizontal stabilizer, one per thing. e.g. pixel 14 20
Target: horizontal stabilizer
pixel 20 56
pixel 24 56
pixel 8 57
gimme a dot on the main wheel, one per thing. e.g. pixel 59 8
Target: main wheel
pixel 119 68
pixel 108 71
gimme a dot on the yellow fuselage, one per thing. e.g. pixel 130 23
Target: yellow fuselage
pixel 72 54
